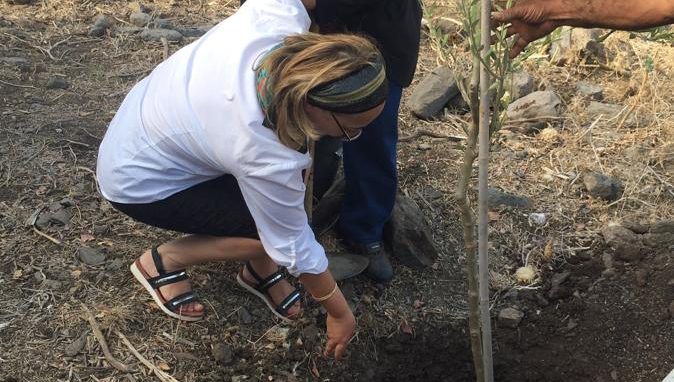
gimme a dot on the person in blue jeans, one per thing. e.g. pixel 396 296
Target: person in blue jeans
pixel 370 160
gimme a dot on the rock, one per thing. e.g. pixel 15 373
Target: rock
pixel 549 134
pixel 163 24
pixel 128 29
pixel 642 277
pixel 607 259
pixel 195 31
pixel 75 347
pixel 603 186
pixel 666 226
pixel 223 354
pixel 408 235
pixel 101 24
pixel 500 198
pixel 537 105
pixel 510 318
pixel 244 316
pixel 239 378
pixel 519 85
pixel 625 244
pixel 57 214
pixel 90 256
pixel 611 112
pixel 424 147
pixel 57 82
pixel 574 43
pixel 557 291
pixel 140 19
pixel 19 2
pixel 589 90
pixel 635 227
pixel 538 219
pixel 433 92
pixel 447 27
pixel 157 34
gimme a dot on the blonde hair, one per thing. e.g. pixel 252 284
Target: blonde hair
pixel 302 63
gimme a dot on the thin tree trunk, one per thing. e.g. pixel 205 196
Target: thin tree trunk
pixel 483 221
pixel 468 220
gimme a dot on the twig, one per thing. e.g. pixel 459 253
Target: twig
pixel 101 341
pixel 52 239
pixel 17 85
pixel 422 132
pixel 164 377
pixel 164 42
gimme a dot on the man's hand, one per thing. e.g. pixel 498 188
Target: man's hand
pixel 529 20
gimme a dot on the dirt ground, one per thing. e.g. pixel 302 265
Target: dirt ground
pixel 587 317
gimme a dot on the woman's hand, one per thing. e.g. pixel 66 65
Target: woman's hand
pixel 340 330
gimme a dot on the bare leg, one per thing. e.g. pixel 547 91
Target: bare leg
pixel 198 249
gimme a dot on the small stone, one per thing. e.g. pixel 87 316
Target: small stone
pixel 239 378
pixel 635 227
pixel 101 24
pixel 158 34
pixel 424 147
pixel 140 19
pixel 642 277
pixel 625 244
pixel 549 134
pixel 57 82
pixel 101 229
pixel 537 105
pixel 500 198
pixel 90 256
pixel 447 27
pixel 116 264
pixel 671 283
pixel 244 316
pixel 163 24
pixel 603 186
pixel 223 354
pixel 607 259
pixel 537 219
pixel 433 92
pixel 608 273
pixel 589 90
pixel 75 347
pixel 510 318
pixel 519 85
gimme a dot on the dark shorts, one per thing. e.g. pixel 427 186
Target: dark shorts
pixel 215 207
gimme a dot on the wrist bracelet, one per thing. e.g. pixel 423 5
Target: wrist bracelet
pixel 327 296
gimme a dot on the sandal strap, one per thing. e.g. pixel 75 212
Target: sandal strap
pixel 176 302
pixel 167 278
pixel 158 264
pixel 270 281
pixel 252 272
pixel 288 302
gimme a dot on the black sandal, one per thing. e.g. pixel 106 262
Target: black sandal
pixel 173 306
pixel 261 290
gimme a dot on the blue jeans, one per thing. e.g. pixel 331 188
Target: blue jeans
pixel 371 175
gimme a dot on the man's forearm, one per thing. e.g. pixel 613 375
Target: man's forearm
pixel 612 14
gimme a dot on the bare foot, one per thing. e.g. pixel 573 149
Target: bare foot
pixel 279 291
pixel 171 290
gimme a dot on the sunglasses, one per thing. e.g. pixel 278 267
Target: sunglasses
pixel 346 137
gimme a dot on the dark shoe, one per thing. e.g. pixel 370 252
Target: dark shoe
pixel 380 268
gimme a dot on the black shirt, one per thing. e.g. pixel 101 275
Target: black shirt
pixel 394 24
